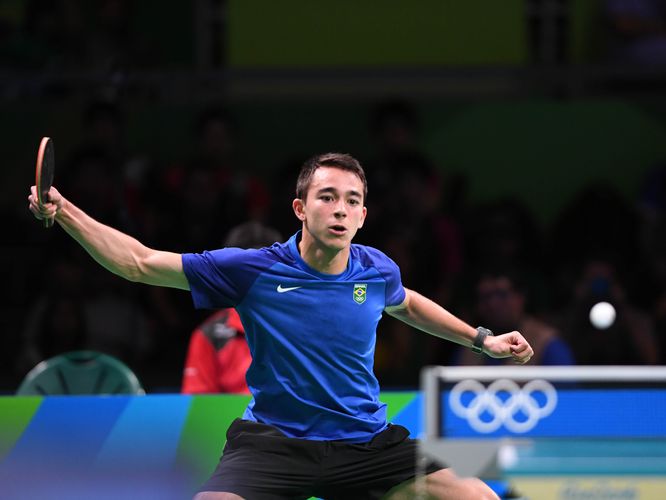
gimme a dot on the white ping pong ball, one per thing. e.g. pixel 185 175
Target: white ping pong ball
pixel 602 315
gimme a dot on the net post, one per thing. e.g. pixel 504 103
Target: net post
pixel 431 381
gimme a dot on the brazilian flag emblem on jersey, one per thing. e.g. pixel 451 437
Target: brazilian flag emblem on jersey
pixel 360 293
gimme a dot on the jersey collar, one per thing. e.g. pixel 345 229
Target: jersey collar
pixel 292 244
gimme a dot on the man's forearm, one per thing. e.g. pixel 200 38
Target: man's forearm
pixel 119 253
pixel 424 314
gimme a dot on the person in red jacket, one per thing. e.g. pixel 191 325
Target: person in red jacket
pixel 218 355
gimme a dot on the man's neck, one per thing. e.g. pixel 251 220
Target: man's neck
pixel 320 258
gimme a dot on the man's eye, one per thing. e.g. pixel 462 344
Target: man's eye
pixel 353 202
pixel 326 198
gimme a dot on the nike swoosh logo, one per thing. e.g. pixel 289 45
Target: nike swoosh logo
pixel 280 289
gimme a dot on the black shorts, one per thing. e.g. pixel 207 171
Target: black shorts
pixel 261 463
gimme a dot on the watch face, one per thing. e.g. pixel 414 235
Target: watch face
pixel 484 330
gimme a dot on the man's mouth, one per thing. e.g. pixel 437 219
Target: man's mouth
pixel 337 229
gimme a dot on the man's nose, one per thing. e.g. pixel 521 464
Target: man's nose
pixel 340 209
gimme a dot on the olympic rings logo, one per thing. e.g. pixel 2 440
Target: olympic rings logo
pixel 502 411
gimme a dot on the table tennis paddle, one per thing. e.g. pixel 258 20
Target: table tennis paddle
pixel 44 173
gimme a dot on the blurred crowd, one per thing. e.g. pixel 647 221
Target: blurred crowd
pixel 491 263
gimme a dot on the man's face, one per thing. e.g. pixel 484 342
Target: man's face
pixel 333 209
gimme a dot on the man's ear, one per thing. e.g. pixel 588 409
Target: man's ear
pixel 365 214
pixel 298 205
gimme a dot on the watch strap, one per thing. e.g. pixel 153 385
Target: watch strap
pixel 481 334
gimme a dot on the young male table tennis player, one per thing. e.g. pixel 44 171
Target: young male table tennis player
pixel 310 307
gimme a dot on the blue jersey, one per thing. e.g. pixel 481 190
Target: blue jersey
pixel 312 335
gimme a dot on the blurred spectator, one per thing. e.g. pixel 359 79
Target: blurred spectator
pixel 55 322
pixel 105 175
pixel 103 132
pixel 637 31
pixel 415 219
pixel 396 165
pixel 501 305
pixel 117 322
pixel 281 215
pixel 95 179
pixel 504 234
pixel 218 355
pixel 212 190
pixel 652 206
pixel 597 221
pixel 81 307
pixel 395 126
pixel 629 340
pixel 85 308
pixel 405 206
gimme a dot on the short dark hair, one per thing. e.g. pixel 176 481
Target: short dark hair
pixel 342 161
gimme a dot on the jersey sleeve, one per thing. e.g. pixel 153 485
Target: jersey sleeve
pixel 395 292
pixel 220 278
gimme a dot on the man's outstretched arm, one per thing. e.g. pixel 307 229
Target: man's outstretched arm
pixel 422 313
pixel 119 253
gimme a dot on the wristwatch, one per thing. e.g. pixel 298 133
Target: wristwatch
pixel 481 334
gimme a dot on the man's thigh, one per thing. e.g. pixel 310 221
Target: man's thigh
pixel 368 471
pixel 260 463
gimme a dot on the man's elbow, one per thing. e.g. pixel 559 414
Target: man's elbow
pixel 137 271
pixel 130 274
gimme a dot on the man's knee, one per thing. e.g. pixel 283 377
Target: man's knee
pixel 444 484
pixel 216 495
pixel 478 489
